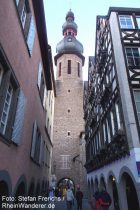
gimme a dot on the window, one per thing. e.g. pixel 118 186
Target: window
pixel 12 103
pixel 137 102
pixel 41 82
pixel 118 116
pixel 47 157
pixel 31 35
pixel 108 131
pixel 37 141
pixel 133 56
pixel 138 21
pixel 126 21
pixel 50 129
pixel 27 22
pixel 6 109
pixel 104 132
pixel 48 125
pixel 37 145
pixel 1 73
pixel 23 16
pixel 59 74
pixel 68 133
pixel 112 123
pixel 49 98
pixel 65 161
pixel 78 69
pixel 17 2
pixel 69 66
pixel 51 106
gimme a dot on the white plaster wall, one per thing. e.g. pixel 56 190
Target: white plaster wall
pixel 115 167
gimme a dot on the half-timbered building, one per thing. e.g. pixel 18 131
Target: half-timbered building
pixel 112 108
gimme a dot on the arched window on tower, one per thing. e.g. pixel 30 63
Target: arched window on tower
pixel 69 66
pixel 59 71
pixel 78 68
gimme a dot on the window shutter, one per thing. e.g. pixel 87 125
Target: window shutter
pixel 19 118
pixel 41 151
pixel 31 35
pixel 45 156
pixel 33 139
pixel 39 75
pixel 44 97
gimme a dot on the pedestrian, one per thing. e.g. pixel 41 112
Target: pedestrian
pixel 51 197
pixel 79 198
pixel 105 199
pixel 92 202
pixel 69 198
pixel 51 193
pixel 95 201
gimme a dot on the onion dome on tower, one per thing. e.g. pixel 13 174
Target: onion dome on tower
pixel 69 44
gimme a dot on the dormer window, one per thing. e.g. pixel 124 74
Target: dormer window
pixel 126 22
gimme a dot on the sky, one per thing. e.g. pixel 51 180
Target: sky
pixel 85 13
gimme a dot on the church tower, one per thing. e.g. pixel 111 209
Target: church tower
pixel 68 111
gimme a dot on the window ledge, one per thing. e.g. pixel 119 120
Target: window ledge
pixel 6 141
pixel 35 162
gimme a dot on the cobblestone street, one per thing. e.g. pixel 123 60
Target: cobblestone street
pixel 62 205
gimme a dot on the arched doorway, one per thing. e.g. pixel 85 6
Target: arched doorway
pixel 89 189
pixel 63 184
pixel 20 192
pixel 96 184
pixel 131 194
pixel 31 189
pixel 31 192
pixel 38 189
pixel 3 191
pixel 92 187
pixel 43 187
pixel 102 183
pixel 114 192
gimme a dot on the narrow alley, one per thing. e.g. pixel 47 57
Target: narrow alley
pixel 63 135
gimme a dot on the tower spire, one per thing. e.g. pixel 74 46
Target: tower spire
pixel 70 4
pixel 69 43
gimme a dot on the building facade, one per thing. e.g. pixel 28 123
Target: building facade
pixel 49 104
pixel 111 105
pixel 25 77
pixel 68 112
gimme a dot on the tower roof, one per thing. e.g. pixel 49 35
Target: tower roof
pixel 70 14
pixel 69 44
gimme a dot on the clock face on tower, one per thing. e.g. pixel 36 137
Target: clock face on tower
pixel 69 39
